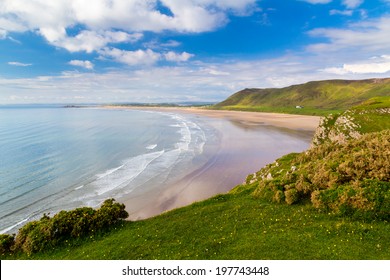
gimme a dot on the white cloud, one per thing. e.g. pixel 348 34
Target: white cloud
pixel 376 65
pixel 317 1
pixel 138 57
pixel 82 26
pixel 199 81
pixel 155 44
pixel 343 13
pixel 82 63
pixel 172 56
pixel 170 43
pixel 88 41
pixel 20 64
pixel 52 18
pixel 143 57
pixel 366 36
pixel 352 4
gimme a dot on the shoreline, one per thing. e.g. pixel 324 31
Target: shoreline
pixel 231 161
pixel 289 121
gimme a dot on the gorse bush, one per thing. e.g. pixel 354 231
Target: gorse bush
pixel 49 232
pixel 350 179
pixel 6 243
pixel 367 199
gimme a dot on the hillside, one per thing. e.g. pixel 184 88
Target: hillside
pixel 315 98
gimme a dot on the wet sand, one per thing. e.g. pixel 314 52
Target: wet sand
pixel 244 148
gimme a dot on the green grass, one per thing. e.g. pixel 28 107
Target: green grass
pixel 317 98
pixel 235 226
pixel 370 115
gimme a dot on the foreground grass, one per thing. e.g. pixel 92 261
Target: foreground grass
pixel 235 226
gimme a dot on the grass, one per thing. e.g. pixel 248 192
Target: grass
pixel 370 115
pixel 235 226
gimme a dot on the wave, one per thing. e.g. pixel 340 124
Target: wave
pixel 151 147
pixel 122 175
pixel 8 229
pixel 108 172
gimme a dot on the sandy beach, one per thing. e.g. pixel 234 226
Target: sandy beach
pixel 290 121
pixel 239 153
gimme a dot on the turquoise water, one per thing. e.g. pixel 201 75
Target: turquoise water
pixel 54 158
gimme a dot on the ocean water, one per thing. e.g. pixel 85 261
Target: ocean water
pixel 54 158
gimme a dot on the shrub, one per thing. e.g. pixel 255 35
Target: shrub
pixel 292 196
pixel 369 199
pixel 349 179
pixel 109 213
pixel 6 243
pixel 66 225
pixel 74 223
pixel 279 196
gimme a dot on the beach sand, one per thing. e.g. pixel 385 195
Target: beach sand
pixel 238 154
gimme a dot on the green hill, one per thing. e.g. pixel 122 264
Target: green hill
pixel 315 98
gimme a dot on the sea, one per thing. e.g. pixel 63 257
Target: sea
pixel 55 158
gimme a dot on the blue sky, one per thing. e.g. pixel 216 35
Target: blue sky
pixel 81 51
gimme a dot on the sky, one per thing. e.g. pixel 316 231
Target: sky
pixel 125 51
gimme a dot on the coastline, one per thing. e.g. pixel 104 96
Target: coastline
pixel 233 159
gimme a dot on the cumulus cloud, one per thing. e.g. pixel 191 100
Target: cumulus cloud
pixel 80 26
pixel 130 16
pixel 87 40
pixel 20 64
pixel 82 63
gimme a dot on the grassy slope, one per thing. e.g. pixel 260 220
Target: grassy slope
pixel 371 115
pixel 318 98
pixel 236 226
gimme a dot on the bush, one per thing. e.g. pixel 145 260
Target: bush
pixel 66 225
pixel 292 196
pixel 350 179
pixel 6 243
pixel 369 199
pixel 109 213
